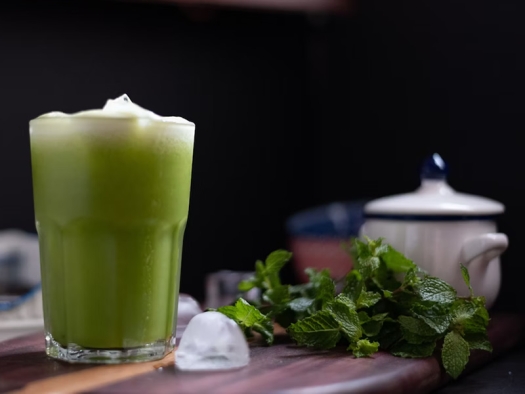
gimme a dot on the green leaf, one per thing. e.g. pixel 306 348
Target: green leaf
pixel 384 278
pixel 387 294
pixel 353 285
pixel 411 278
pixel 396 261
pixel 416 331
pixel 363 317
pixel 455 354
pixel 416 326
pixel 436 290
pixel 380 316
pixel 320 330
pixel 363 348
pixel 325 290
pixel 301 289
pixel 437 316
pixel 343 311
pixel 315 276
pixel 360 249
pixel 409 350
pixel 372 327
pixel 389 334
pixel 276 261
pixel 468 318
pixel 260 272
pixel 248 316
pixel 466 278
pixel 366 266
pixel 278 295
pixel 479 341
pixel 265 328
pixel 247 285
pixel 301 304
pixel 367 299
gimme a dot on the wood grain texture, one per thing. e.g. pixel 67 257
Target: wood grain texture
pixel 284 368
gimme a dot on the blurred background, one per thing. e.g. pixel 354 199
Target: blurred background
pixel 298 103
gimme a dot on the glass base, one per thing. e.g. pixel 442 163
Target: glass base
pixel 78 354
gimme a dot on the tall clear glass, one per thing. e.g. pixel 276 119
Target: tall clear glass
pixel 111 202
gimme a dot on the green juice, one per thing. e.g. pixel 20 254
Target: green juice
pixel 111 203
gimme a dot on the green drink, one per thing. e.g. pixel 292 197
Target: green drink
pixel 111 190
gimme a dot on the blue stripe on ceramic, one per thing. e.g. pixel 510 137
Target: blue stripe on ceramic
pixel 8 305
pixel 338 219
pixel 430 218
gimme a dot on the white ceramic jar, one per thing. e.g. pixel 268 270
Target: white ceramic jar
pixel 439 228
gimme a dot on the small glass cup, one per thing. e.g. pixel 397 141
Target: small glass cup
pixel 222 288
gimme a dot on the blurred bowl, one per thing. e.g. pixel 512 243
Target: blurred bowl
pixel 315 237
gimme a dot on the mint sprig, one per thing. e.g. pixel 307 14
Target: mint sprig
pixel 387 302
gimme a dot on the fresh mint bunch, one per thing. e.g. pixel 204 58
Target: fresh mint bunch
pixel 386 303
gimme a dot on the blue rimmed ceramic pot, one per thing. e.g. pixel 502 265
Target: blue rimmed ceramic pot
pixel 439 228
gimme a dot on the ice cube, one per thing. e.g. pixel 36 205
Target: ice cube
pixel 188 307
pixel 212 341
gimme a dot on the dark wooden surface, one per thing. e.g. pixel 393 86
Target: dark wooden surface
pixel 283 368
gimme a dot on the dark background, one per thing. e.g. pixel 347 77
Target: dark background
pixel 292 109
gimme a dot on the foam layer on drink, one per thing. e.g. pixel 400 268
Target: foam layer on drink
pixel 119 119
pixel 121 107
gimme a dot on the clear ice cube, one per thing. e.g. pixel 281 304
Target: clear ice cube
pixel 188 307
pixel 212 341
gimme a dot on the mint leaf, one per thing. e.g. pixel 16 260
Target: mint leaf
pixel 343 311
pixel 436 290
pixel 256 280
pixel 390 333
pixel 478 341
pixel 353 285
pixel 363 348
pixel 247 285
pixel 325 290
pixel 455 354
pixel 372 327
pixel 273 264
pixel 366 266
pixel 396 261
pixel 437 316
pixel 247 316
pixel 368 299
pixel 409 350
pixel 363 317
pixel 415 326
pixel 387 294
pixel 466 278
pixel 410 278
pixel 277 296
pixel 416 331
pixel 276 261
pixel 384 278
pixel 301 304
pixel 469 318
pixel 315 276
pixel 320 330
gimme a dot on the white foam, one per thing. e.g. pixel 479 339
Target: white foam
pixel 121 107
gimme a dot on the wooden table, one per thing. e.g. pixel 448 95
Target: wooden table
pixel 282 368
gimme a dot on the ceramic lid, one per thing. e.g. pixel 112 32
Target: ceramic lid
pixel 434 197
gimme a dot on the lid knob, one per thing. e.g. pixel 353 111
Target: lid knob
pixel 434 167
